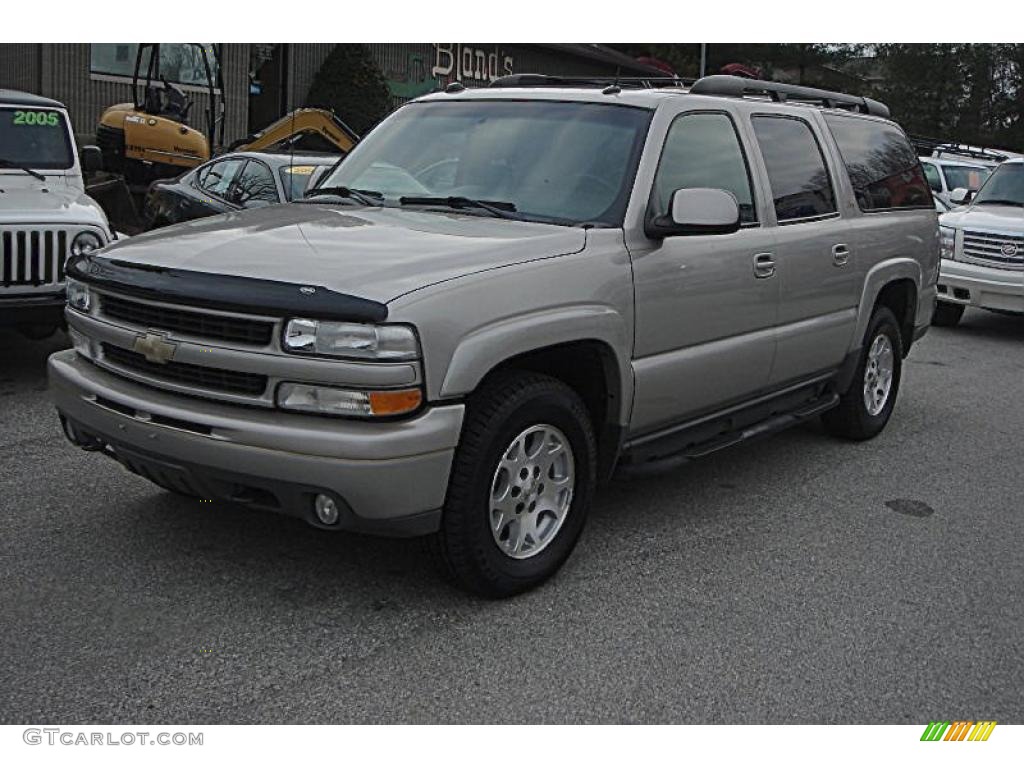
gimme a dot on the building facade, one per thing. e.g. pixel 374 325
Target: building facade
pixel 262 81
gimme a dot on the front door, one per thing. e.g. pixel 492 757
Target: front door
pixel 705 304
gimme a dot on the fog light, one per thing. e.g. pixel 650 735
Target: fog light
pixel 326 509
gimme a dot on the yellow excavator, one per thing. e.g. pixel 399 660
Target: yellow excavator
pixel 151 138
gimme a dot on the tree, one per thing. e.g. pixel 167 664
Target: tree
pixel 351 84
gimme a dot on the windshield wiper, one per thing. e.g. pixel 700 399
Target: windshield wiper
pixel 364 196
pixel 4 163
pixel 497 208
pixel 997 201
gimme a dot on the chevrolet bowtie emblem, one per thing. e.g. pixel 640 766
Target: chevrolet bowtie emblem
pixel 155 347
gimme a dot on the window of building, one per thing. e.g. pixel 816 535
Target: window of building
pixel 180 63
pixel 883 167
pixel 703 150
pixel 801 187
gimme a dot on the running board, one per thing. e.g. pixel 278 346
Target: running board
pixel 638 465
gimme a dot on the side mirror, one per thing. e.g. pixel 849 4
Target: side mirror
pixel 91 159
pixel 697 211
pixel 960 195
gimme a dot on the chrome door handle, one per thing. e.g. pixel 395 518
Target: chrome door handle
pixel 764 265
pixel 840 254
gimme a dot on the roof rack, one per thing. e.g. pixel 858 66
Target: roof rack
pixel 597 81
pixel 731 85
pixel 938 147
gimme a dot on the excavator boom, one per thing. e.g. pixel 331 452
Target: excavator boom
pixel 303 125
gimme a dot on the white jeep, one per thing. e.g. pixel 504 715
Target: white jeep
pixel 45 214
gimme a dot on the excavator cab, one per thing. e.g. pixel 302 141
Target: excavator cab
pixel 150 138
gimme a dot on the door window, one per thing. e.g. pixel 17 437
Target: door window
pixel 801 187
pixel 932 174
pixel 703 150
pixel 254 186
pixel 217 178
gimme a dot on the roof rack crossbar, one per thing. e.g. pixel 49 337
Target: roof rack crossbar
pixel 731 85
pixel 527 80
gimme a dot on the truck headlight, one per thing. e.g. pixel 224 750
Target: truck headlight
pixel 312 398
pixel 85 243
pixel 79 296
pixel 947 242
pixel 357 340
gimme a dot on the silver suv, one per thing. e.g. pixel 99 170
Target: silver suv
pixel 982 248
pixel 501 295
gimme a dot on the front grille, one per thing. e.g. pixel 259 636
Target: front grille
pixel 988 248
pixel 200 324
pixel 32 257
pixel 214 379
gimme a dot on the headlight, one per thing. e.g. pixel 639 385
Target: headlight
pixel 85 243
pixel 78 295
pixel 368 342
pixel 347 402
pixel 947 242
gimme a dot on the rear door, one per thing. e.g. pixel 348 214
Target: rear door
pixel 819 289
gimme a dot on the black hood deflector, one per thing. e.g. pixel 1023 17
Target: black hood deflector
pixel 225 292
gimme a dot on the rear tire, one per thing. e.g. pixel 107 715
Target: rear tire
pixel 947 314
pixel 503 532
pixel 865 408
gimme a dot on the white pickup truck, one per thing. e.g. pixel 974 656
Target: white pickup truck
pixel 45 214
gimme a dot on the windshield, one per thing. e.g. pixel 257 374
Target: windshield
pixel 296 179
pixel 34 138
pixel 561 162
pixel 1004 187
pixel 966 176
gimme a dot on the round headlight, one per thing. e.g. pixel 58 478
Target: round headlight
pixel 85 243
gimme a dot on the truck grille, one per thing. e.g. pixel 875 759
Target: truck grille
pixel 32 257
pixel 200 324
pixel 994 249
pixel 213 379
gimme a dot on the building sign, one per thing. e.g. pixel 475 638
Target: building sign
pixel 180 63
pixel 466 62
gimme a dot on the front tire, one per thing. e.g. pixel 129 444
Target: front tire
pixel 947 314
pixel 520 487
pixel 864 410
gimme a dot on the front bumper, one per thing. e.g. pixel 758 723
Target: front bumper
pixel 389 478
pixel 978 286
pixel 31 309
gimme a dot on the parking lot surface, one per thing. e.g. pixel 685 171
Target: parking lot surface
pixel 798 579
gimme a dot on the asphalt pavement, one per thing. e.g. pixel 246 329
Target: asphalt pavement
pixel 799 579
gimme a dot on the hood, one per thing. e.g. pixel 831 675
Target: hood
pixel 375 253
pixel 996 218
pixel 28 200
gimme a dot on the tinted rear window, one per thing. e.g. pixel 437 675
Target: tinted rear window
pixel 884 170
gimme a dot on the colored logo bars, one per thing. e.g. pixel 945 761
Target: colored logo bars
pixel 959 730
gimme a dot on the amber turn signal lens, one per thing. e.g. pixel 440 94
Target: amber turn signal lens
pixel 394 402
